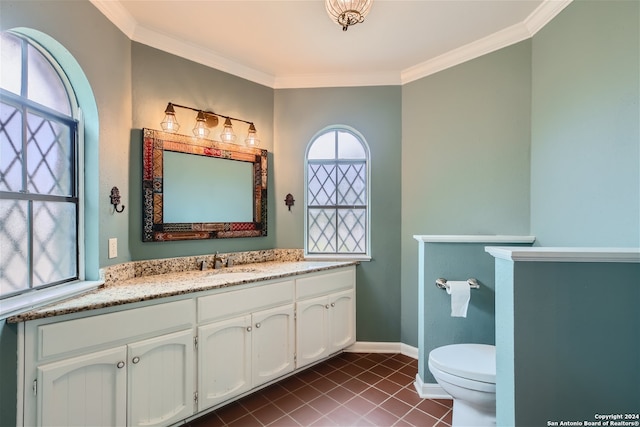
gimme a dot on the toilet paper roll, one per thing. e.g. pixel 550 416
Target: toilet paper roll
pixel 460 295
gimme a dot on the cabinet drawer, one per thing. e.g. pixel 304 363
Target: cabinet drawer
pixel 88 332
pixel 235 303
pixel 324 283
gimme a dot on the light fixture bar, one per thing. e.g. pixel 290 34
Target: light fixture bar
pixel 206 119
pixel 211 113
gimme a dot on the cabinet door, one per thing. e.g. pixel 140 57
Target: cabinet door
pixel 312 330
pixel 273 343
pixel 89 390
pixel 224 360
pixel 161 376
pixel 342 315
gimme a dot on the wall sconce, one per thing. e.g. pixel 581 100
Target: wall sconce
pixel 115 199
pixel 206 120
pixel 288 200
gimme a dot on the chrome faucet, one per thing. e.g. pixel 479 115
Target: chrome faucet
pixel 217 261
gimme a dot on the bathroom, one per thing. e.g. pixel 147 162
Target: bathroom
pixel 511 142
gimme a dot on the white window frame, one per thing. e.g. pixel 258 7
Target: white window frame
pixel 338 256
pixel 39 296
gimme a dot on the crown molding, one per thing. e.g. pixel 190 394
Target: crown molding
pixel 201 56
pixel 118 15
pixel 491 43
pixel 121 18
pixel 544 14
pixel 389 78
pixel 501 39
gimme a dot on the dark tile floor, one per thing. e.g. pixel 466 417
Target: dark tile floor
pixel 351 389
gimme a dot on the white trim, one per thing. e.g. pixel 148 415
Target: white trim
pixel 20 373
pixel 475 49
pixel 383 347
pixel 122 19
pixel 389 78
pixel 474 239
pixel 39 297
pixel 566 254
pixel 544 14
pixel 198 54
pixel 118 15
pixel 429 390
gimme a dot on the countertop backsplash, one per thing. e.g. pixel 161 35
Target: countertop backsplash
pixel 130 270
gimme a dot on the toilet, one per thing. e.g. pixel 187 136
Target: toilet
pixel 467 372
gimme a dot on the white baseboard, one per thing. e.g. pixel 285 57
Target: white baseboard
pixel 425 390
pixel 383 347
pixel 429 391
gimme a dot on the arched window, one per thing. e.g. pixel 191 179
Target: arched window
pixel 337 194
pixel 39 170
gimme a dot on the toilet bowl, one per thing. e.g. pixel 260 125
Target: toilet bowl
pixel 467 372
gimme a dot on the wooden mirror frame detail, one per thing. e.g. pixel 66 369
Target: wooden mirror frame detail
pixel 155 143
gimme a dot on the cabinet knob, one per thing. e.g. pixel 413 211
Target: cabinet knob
pixel 333 304
pixel 327 306
pixel 120 364
pixel 258 325
pixel 135 359
pixel 248 328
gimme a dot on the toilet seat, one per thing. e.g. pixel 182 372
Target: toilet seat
pixel 475 362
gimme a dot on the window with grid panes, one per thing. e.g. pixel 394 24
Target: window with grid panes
pixel 39 204
pixel 337 194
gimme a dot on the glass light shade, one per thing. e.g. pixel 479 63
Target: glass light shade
pixel 347 12
pixel 227 134
pixel 170 124
pixel 200 129
pixel 252 137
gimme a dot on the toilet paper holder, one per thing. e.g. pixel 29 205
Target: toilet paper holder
pixel 442 283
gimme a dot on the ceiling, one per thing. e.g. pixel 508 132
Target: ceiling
pixel 294 43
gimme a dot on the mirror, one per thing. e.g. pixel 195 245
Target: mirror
pixel 196 188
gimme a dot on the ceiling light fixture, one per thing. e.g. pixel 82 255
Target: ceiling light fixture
pixel 206 120
pixel 347 12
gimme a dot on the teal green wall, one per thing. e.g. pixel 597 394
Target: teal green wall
pixel 375 113
pixel 465 157
pixel 576 345
pixel 537 138
pixel 159 77
pixel 455 261
pixel 8 377
pixel 585 144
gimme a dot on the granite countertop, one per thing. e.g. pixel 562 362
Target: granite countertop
pixel 176 283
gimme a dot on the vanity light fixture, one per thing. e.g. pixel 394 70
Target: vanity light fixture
pixel 252 137
pixel 204 121
pixel 200 129
pixel 227 134
pixel 170 124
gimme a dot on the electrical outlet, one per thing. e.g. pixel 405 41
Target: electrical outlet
pixel 113 247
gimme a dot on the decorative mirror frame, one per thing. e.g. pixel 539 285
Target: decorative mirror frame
pixel 154 229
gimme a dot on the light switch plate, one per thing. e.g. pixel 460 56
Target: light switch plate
pixel 113 247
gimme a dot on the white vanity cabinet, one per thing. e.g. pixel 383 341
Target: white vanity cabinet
pixel 122 368
pixel 325 315
pixel 246 338
pixel 157 363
